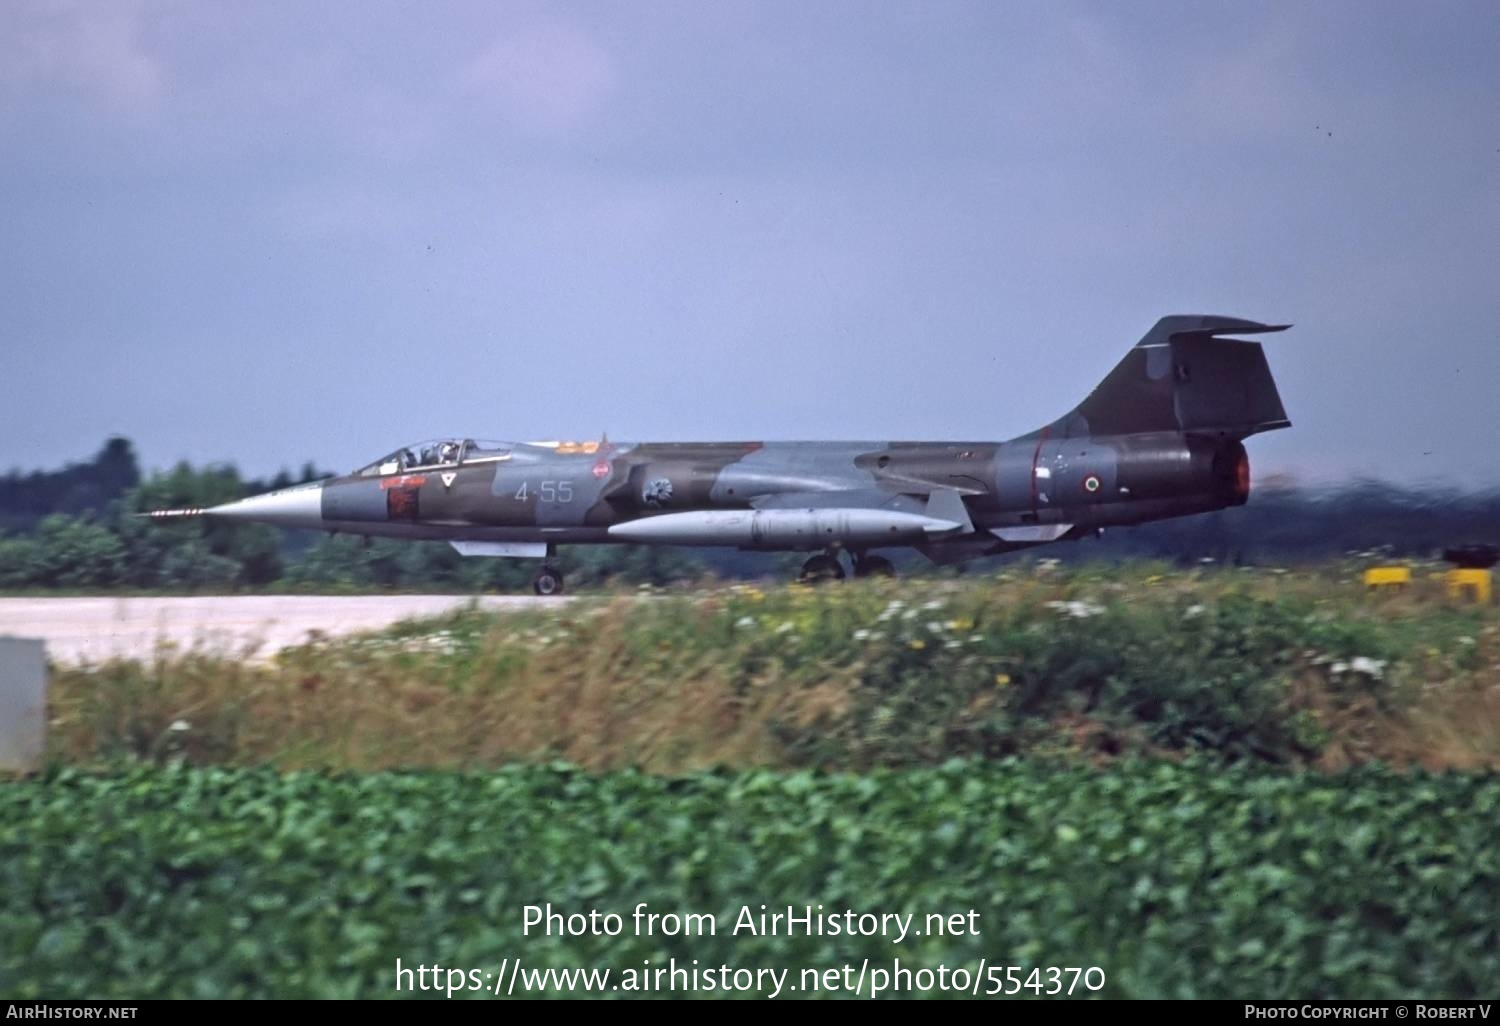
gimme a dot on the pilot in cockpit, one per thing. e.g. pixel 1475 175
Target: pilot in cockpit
pixel 448 452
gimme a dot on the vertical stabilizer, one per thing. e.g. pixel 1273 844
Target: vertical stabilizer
pixel 1184 377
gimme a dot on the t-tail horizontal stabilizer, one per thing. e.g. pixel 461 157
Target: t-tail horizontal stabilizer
pixel 1183 376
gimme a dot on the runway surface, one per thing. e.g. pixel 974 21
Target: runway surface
pixel 81 630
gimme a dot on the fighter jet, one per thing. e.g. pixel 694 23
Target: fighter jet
pixel 1161 436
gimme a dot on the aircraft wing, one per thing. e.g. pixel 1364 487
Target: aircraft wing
pixel 860 498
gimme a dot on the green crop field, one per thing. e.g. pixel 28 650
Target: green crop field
pixel 1176 880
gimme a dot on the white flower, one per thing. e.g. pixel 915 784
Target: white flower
pixel 1194 610
pixel 934 627
pixel 934 604
pixel 180 725
pixel 1365 665
pixel 1078 610
pixel 745 621
pixel 863 634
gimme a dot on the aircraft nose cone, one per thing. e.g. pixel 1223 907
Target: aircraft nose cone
pixel 291 507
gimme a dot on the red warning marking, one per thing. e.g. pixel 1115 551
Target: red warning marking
pixel 404 481
pixel 401 503
pixel 601 468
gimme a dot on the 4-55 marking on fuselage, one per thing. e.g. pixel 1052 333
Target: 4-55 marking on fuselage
pixel 546 491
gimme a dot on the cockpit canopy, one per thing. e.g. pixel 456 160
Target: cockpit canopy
pixel 439 452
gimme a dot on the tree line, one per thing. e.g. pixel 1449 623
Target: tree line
pixel 75 528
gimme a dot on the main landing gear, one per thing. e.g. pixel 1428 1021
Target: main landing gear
pixel 826 567
pixel 549 581
pixel 820 568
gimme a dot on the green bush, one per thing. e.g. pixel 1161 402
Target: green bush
pixel 994 670
pixel 65 552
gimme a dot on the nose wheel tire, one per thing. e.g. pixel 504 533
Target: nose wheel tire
pixel 821 568
pixel 548 582
pixel 874 566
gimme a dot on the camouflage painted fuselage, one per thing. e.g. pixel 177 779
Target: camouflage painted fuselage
pixel 575 493
pixel 1161 436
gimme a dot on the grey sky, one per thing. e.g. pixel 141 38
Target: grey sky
pixel 267 232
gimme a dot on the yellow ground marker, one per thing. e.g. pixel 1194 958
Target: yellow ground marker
pixel 1387 577
pixel 1466 583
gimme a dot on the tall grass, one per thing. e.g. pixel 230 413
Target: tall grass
pixel 1289 668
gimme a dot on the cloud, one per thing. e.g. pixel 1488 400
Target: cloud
pixel 91 48
pixel 546 78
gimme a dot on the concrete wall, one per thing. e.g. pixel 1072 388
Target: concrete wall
pixel 23 703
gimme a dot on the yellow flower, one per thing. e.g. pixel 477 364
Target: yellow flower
pixel 1002 679
pixel 1154 578
pixel 916 644
pixel 963 623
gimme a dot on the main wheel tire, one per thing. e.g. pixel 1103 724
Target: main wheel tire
pixel 821 568
pixel 874 566
pixel 548 582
